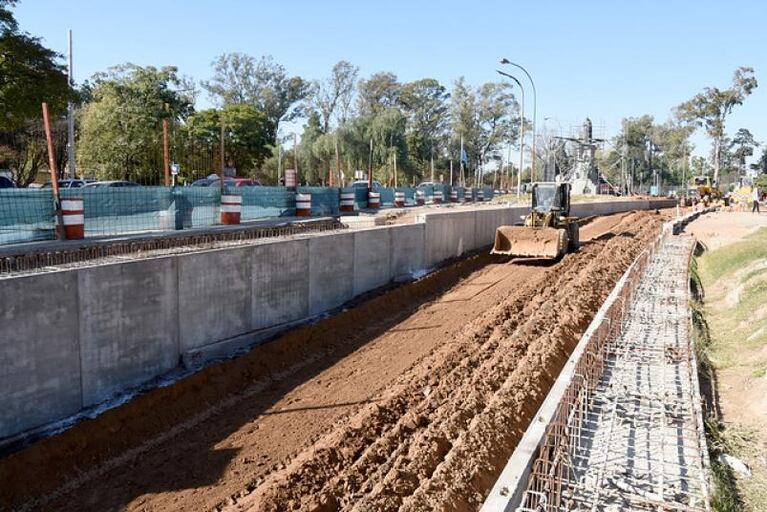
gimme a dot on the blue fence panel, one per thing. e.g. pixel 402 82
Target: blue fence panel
pixel 260 202
pixel 428 191
pixel 442 191
pixel 119 210
pixel 387 197
pixel 196 207
pixel 26 215
pixel 488 193
pixel 325 201
pixel 409 194
pixel 360 197
pixel 461 193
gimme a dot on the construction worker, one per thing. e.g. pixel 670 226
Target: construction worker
pixel 756 196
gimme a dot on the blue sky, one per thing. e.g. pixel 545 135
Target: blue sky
pixel 603 59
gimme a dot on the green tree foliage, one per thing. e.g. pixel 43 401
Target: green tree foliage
pixel 379 92
pixel 333 97
pixel 263 84
pixel 760 165
pixel 425 105
pixel 247 134
pixel 742 146
pixel 710 108
pixel 120 130
pixel 29 75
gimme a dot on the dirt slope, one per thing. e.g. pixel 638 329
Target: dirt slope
pixel 412 399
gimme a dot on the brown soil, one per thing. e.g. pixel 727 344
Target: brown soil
pixel 412 399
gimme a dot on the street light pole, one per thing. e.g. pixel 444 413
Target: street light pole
pixel 535 109
pixel 521 134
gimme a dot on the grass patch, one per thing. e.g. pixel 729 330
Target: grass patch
pixel 730 330
pixel 730 258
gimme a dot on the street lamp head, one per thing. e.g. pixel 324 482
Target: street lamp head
pixel 505 61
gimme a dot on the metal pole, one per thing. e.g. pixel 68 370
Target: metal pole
pixel 370 167
pixel 223 162
pixel 70 114
pixel 295 156
pixel 521 136
pixel 165 154
pixel 535 109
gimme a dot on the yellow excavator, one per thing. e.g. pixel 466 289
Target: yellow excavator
pixel 548 232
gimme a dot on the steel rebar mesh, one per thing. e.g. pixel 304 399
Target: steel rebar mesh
pixel 627 433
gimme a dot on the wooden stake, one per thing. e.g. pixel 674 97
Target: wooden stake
pixel 54 174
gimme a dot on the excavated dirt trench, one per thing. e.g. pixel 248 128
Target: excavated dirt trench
pixel 413 400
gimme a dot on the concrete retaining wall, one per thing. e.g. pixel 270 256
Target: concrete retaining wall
pixel 71 339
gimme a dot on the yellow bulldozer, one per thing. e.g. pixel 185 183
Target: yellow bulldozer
pixel 548 232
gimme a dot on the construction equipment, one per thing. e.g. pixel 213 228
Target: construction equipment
pixel 706 192
pixel 549 231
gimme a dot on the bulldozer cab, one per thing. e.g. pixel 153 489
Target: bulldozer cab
pixel 551 197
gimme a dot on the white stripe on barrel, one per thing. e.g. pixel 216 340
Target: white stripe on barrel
pixel 399 199
pixel 374 199
pixel 480 195
pixel 454 195
pixel 231 209
pixel 420 200
pixel 347 201
pixel 73 218
pixel 436 198
pixel 304 205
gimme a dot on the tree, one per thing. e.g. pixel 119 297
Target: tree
pixel 464 118
pixel 495 119
pixel 333 97
pixel 29 74
pixel 247 133
pixel 264 84
pixel 742 146
pixel 120 129
pixel 710 108
pixel 378 93
pixel 760 166
pixel 425 105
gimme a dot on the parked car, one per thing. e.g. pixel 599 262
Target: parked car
pixel 364 184
pixel 425 184
pixel 228 182
pixel 112 183
pixel 6 182
pixel 68 183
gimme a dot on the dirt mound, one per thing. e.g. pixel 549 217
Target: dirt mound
pixel 413 399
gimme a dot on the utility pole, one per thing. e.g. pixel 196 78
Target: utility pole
pixel 338 162
pixel 295 156
pixel 165 153
pixel 370 166
pixel 279 161
pixel 70 113
pixel 432 164
pixel 223 159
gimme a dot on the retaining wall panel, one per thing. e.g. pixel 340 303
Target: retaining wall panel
pixel 280 283
pixel 39 351
pixel 448 235
pixel 407 250
pixel 214 296
pixel 128 325
pixel 372 267
pixel 331 271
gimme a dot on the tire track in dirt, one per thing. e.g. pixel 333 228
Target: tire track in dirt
pixel 468 402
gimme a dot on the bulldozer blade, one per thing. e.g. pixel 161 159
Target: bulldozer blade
pixel 529 242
